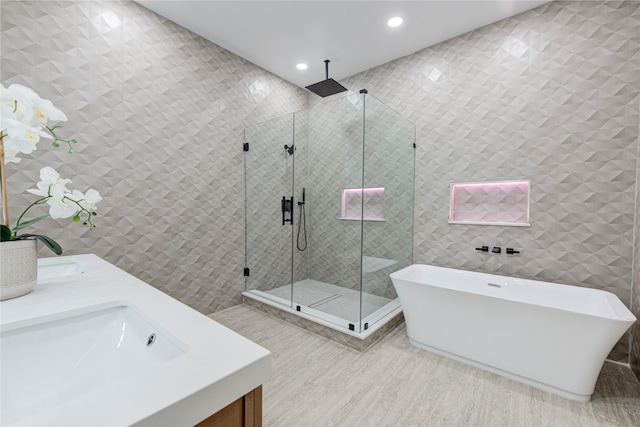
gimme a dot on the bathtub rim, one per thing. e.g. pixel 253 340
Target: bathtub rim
pixel 618 308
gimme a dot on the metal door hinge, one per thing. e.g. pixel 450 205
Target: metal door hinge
pixel 245 146
pixel 246 271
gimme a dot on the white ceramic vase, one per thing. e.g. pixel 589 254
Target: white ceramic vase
pixel 18 267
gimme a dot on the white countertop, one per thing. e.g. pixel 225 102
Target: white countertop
pixel 219 367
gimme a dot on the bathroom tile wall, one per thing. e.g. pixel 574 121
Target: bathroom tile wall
pixel 550 95
pixel 159 114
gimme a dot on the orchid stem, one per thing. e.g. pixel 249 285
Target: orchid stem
pixel 37 202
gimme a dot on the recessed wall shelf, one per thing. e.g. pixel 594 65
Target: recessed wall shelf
pixel 363 204
pixel 503 203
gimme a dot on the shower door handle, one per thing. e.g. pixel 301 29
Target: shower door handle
pixel 287 206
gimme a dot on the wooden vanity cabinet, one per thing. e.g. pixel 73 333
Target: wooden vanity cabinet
pixel 244 412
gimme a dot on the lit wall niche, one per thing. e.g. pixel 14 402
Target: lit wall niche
pixel 353 204
pixel 490 203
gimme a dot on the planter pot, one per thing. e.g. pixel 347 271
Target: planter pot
pixel 19 268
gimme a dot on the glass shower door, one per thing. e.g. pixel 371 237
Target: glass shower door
pixel 268 209
pixel 388 207
pixel 329 141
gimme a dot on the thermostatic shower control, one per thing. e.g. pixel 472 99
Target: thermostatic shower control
pixel 287 207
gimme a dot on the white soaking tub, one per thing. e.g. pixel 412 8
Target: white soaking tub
pixel 553 337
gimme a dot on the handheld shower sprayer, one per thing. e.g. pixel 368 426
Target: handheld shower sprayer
pixel 302 223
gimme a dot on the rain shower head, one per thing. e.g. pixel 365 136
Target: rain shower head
pixel 326 87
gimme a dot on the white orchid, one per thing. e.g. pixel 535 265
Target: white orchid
pixel 23 116
pixel 43 111
pixel 62 208
pixel 88 200
pixel 22 138
pixel 7 109
pixel 62 202
pixel 24 101
pixel 31 109
pixel 50 185
pixel 23 122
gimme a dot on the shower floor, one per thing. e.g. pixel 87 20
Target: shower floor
pixel 331 299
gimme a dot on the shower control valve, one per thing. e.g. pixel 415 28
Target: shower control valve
pixel 496 250
pixel 483 249
pixel 287 206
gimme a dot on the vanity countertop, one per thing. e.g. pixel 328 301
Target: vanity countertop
pixel 216 366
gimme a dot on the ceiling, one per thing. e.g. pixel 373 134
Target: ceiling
pixel 276 35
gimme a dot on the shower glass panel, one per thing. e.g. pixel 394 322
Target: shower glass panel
pixel 349 177
pixel 332 159
pixel 268 178
pixel 388 212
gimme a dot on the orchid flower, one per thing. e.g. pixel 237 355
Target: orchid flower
pixel 23 138
pixel 38 111
pixel 51 185
pixel 23 114
pixel 88 200
pixel 7 109
pixel 24 118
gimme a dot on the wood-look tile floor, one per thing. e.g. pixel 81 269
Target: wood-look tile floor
pixel 317 382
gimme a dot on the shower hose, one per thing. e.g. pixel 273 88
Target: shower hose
pixel 302 223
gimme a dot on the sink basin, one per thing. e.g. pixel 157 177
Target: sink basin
pixel 50 360
pixel 74 352
pixel 58 267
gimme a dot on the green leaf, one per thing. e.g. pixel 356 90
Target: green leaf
pixel 30 222
pixel 5 233
pixel 48 241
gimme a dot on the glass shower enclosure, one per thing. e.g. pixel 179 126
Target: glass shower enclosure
pixel 329 210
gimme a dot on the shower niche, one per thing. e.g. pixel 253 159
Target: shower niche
pixel 329 212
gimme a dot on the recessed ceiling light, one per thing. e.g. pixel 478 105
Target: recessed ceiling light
pixel 394 22
pixel 301 66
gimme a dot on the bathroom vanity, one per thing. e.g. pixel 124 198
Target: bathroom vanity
pixel 92 345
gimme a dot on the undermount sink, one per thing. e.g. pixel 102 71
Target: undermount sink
pixel 74 352
pixel 50 360
pixel 49 268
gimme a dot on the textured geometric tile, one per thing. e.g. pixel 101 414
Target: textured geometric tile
pixel 159 114
pixel 550 95
pixel 490 202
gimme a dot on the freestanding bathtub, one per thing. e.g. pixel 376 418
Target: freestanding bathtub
pixel 553 337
